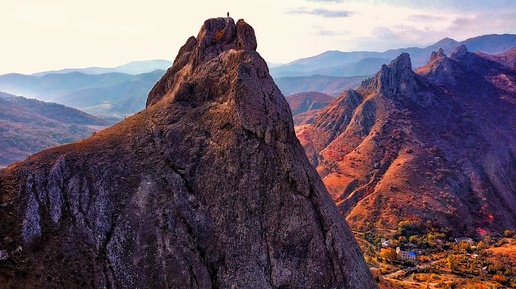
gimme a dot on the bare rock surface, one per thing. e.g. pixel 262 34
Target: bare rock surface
pixel 208 187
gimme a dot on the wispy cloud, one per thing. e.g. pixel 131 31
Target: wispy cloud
pixel 426 17
pixel 321 12
pixel 329 33
pixel 326 1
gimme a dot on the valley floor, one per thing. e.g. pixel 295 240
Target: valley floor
pixel 486 263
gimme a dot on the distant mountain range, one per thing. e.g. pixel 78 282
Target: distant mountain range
pixel 337 63
pixel 332 85
pixel 110 95
pixel 134 67
pixel 115 93
pixel 28 126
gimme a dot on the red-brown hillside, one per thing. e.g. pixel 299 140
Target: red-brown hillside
pixel 304 105
pixel 437 146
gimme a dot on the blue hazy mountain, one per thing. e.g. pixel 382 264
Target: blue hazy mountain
pixel 108 95
pixel 338 63
pixel 133 67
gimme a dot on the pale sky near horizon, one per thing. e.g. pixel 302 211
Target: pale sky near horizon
pixel 55 34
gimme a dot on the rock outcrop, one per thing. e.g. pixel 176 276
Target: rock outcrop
pixel 397 80
pixel 459 52
pixel 208 187
pixel 439 54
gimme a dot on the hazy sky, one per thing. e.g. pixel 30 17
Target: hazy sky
pixel 53 34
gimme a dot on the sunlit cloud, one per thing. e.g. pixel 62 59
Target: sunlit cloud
pixel 329 33
pixel 322 12
pixel 327 1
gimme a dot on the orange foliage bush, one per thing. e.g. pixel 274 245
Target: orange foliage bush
pixel 219 35
pixel 388 254
pixel 500 279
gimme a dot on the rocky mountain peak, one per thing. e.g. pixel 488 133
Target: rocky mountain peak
pixel 440 69
pixel 396 79
pixel 208 187
pixel 217 36
pixel 221 34
pixel 437 55
pixel 459 52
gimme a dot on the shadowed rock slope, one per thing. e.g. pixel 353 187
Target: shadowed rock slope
pixel 207 187
pixel 436 147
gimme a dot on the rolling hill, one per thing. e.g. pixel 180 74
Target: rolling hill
pixel 28 126
pixel 305 105
pixel 109 95
pixel 133 68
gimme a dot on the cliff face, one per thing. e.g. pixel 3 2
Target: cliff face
pixel 435 147
pixel 208 187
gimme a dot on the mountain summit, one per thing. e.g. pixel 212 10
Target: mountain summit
pixel 208 187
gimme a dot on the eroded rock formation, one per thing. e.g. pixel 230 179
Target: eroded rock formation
pixel 208 187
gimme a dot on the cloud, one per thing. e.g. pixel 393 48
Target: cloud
pixel 322 12
pixel 426 18
pixel 326 1
pixel 44 15
pixel 329 33
pixel 497 22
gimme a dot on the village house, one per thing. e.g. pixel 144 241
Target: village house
pixel 465 239
pixel 406 255
pixel 385 243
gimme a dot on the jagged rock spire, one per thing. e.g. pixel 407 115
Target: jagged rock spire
pixel 217 35
pixel 459 52
pixel 437 55
pixel 208 187
pixel 395 79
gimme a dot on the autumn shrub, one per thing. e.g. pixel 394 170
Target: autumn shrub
pixel 500 279
pixel 388 254
pixel 219 34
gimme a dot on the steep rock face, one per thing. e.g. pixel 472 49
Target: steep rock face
pixel 435 147
pixel 207 187
pixel 396 78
